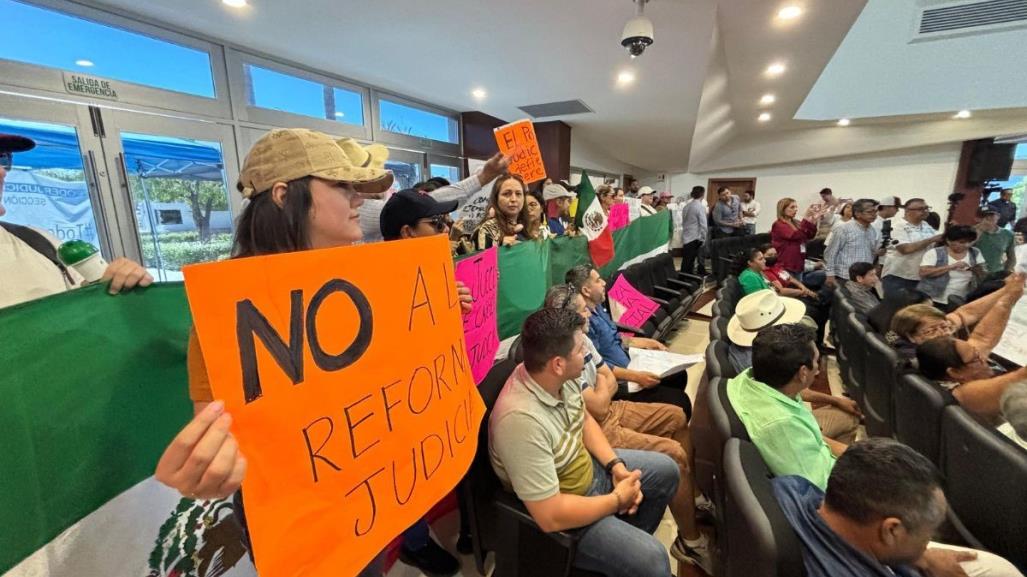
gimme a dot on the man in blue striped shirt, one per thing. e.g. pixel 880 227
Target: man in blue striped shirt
pixel 852 242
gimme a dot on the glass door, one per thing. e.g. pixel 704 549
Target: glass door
pixel 447 167
pixel 407 167
pixel 59 187
pixel 176 174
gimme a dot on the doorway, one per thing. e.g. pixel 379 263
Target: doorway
pixel 737 186
pixel 150 188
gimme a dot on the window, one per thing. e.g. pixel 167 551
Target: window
pixel 270 89
pixel 450 173
pixel 48 38
pixel 418 122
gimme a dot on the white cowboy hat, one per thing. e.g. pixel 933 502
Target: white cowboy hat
pixel 760 310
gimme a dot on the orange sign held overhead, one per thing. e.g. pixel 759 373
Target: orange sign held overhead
pixel 518 141
pixel 350 391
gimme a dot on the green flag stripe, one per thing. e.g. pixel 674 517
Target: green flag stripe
pixel 93 389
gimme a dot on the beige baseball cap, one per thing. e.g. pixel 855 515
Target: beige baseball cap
pixel 283 155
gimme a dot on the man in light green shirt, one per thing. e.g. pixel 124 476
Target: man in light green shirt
pixel 766 398
pixel 997 245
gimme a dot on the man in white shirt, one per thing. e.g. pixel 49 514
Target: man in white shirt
pixel 750 210
pixel 645 196
pixel 29 268
pixel 371 210
pixel 911 238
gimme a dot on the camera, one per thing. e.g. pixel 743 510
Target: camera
pixel 638 35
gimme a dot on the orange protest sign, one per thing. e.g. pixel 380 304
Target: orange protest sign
pixel 350 390
pixel 518 141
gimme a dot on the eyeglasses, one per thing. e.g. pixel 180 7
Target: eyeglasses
pixel 918 208
pixel 6 160
pixel 439 222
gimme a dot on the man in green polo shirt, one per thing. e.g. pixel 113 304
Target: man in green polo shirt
pixel 546 448
pixel 997 245
pixel 766 398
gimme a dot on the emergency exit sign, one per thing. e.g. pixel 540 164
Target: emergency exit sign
pixel 89 86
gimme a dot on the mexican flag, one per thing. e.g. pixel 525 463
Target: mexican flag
pixel 591 220
pixel 94 387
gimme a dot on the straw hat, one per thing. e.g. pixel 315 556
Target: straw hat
pixel 760 310
pixel 284 155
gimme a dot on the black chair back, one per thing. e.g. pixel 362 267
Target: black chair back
pixel 986 485
pixel 919 406
pixel 760 541
pixel 718 328
pixel 718 363
pixel 882 363
pixel 480 484
pixel 855 344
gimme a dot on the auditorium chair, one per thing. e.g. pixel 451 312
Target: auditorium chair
pixel 640 277
pixel 919 405
pixel 718 328
pixel 665 274
pixel 709 440
pixel 718 364
pixel 667 262
pixel 499 522
pixel 855 344
pixel 759 541
pixel 651 328
pixel 882 363
pixel 986 486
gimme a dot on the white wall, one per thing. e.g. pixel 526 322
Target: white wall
pixel 928 173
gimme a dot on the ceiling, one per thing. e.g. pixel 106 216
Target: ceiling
pixel 697 89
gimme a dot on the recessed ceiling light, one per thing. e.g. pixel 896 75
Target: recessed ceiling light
pixel 340 114
pixel 235 3
pixel 626 77
pixel 764 117
pixel 84 63
pixel 789 13
pixel 962 114
pixel 768 99
pixel 844 122
pixel 775 69
pixel 479 93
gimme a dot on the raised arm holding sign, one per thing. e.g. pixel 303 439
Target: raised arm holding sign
pixel 518 141
pixel 350 390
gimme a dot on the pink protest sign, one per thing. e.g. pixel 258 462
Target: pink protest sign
pixel 636 307
pixel 618 216
pixel 480 273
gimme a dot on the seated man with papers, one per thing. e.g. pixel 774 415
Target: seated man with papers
pixel 603 332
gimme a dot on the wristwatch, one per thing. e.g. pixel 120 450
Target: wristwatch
pixel 613 463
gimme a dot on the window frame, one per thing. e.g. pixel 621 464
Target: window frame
pixel 40 77
pixel 415 142
pixel 245 112
pixel 456 162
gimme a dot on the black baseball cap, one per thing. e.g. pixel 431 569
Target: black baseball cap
pixel 408 206
pixel 15 143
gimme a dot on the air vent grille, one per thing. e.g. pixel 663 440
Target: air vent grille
pixel 563 108
pixel 990 13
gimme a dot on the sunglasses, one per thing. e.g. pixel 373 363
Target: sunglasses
pixel 6 160
pixel 439 222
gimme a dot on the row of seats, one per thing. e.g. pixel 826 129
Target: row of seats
pixel 725 252
pixel 674 291
pixel 498 522
pixel 985 474
pixel 753 537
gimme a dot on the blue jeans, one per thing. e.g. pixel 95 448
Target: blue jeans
pixel 623 546
pixel 893 285
pixel 416 537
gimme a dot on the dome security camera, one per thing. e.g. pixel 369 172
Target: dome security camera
pixel 638 32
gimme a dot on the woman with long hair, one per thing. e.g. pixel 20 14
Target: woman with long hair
pixel 304 193
pixel 506 203
pixel 536 226
pixel 790 235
